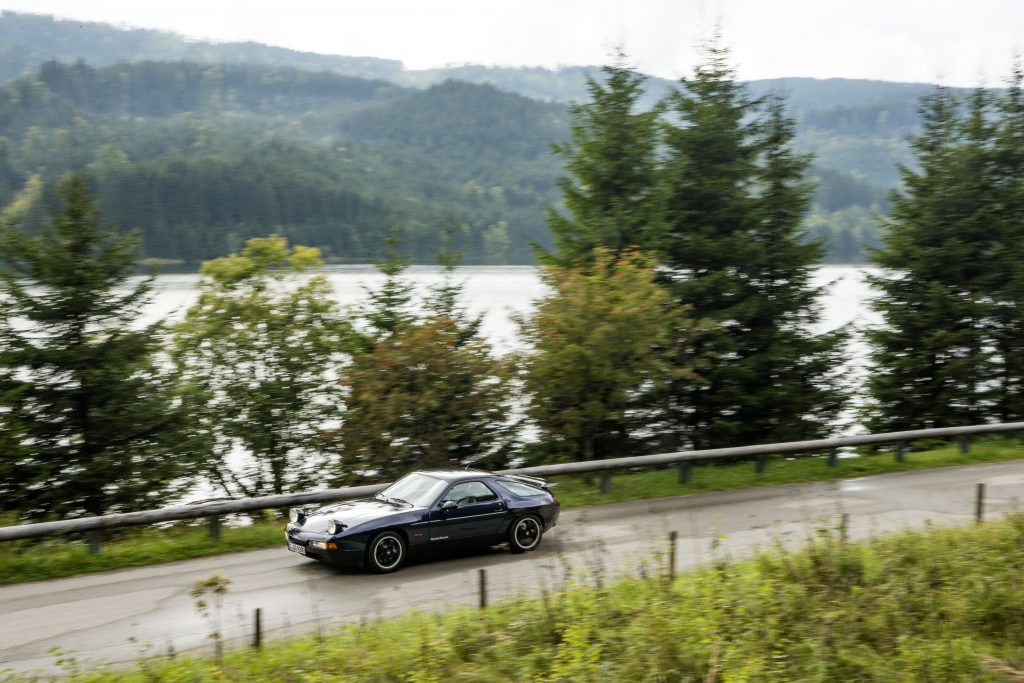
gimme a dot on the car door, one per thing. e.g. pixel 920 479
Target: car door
pixel 477 513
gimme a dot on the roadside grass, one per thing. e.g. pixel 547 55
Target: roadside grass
pixel 56 557
pixel 580 490
pixel 939 605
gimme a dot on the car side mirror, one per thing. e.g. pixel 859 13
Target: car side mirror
pixel 448 506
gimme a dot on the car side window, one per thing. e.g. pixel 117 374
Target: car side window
pixel 470 493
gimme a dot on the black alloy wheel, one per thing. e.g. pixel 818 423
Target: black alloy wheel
pixel 524 535
pixel 386 552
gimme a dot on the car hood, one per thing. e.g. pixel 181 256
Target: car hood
pixel 351 513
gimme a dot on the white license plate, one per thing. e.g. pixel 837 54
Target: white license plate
pixel 301 550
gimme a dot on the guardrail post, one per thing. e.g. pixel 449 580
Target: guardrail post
pixel 833 456
pixel 93 539
pixel 979 503
pixel 606 480
pixel 483 588
pixel 214 527
pixel 257 637
pixel 762 464
pixel 684 471
pixel 901 451
pixel 965 444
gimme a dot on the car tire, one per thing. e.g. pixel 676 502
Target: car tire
pixel 386 552
pixel 525 534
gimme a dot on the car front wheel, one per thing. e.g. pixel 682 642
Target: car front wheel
pixel 525 534
pixel 386 552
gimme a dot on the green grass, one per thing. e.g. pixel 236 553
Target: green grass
pixel 577 491
pixel 944 605
pixel 58 557
pixel 55 557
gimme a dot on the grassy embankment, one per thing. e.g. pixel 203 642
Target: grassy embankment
pixel 942 605
pixel 57 557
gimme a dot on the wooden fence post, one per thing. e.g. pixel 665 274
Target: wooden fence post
pixel 979 503
pixel 606 480
pixel 483 588
pixel 672 535
pixel 214 527
pixel 901 451
pixel 257 638
pixel 833 457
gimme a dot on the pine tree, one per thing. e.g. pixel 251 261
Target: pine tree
pixel 932 360
pixel 96 411
pixel 609 191
pixel 734 200
pixel 1007 248
pixel 388 308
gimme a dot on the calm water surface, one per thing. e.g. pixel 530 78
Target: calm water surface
pixel 498 292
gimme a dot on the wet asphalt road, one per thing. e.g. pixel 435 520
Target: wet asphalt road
pixel 119 616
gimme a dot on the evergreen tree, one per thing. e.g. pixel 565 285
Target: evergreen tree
pixel 950 349
pixel 388 308
pixel 445 299
pixel 932 365
pixel 610 189
pixel 1007 249
pixel 95 411
pixel 734 200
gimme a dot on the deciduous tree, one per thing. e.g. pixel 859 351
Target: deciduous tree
pixel 261 351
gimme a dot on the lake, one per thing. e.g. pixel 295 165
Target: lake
pixel 498 292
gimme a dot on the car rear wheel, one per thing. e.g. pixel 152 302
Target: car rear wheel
pixel 386 552
pixel 525 534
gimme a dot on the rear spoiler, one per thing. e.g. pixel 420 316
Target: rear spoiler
pixel 533 481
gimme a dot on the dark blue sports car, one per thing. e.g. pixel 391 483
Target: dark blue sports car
pixel 425 510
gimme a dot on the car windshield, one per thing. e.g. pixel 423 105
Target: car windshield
pixel 417 489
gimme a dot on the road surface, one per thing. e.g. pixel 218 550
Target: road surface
pixel 123 615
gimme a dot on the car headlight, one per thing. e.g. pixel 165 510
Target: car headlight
pixel 296 515
pixel 334 526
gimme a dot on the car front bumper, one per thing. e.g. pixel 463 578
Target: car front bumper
pixel 349 553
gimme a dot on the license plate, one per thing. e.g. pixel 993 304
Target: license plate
pixel 295 548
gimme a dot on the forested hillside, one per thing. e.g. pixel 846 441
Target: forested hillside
pixel 201 157
pixel 202 145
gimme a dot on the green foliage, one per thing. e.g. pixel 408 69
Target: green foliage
pixel 260 351
pixel 735 194
pixel 604 345
pixel 425 396
pixel 90 412
pixel 941 605
pixel 949 350
pixel 610 163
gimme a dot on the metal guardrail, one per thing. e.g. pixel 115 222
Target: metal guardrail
pixel 683 458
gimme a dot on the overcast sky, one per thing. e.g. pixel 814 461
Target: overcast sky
pixel 958 42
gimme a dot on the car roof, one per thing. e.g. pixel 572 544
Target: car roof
pixel 455 475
